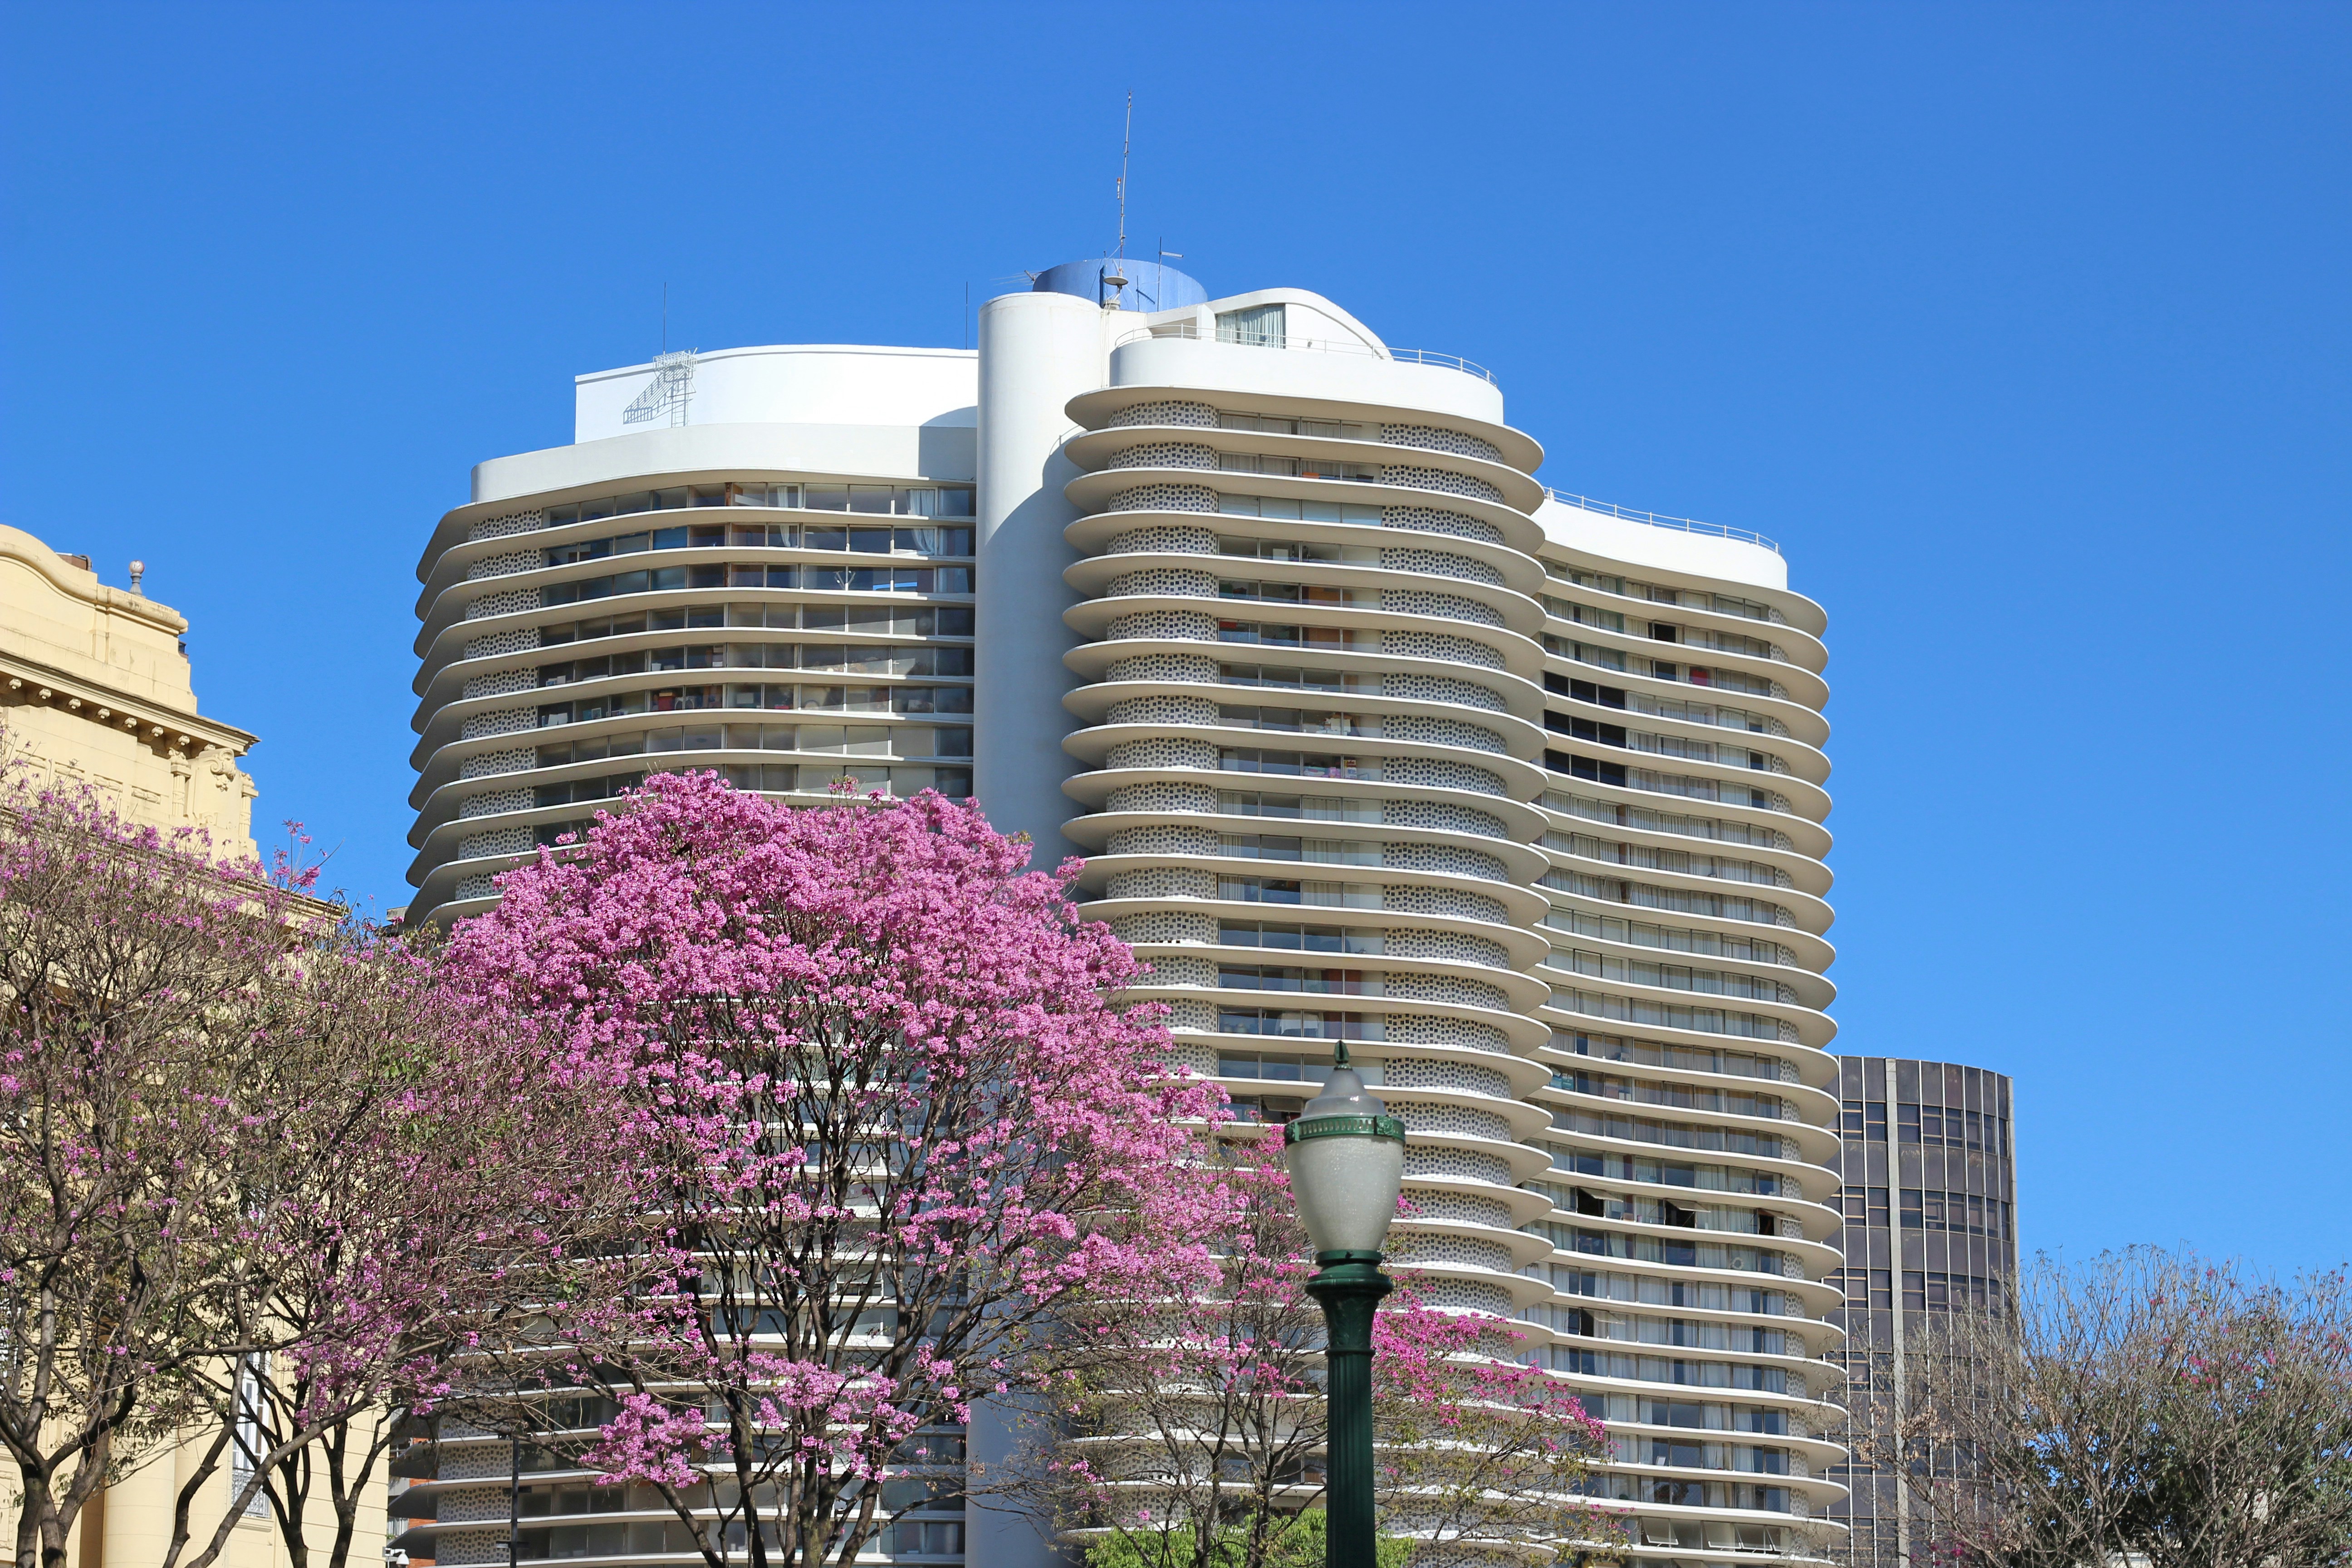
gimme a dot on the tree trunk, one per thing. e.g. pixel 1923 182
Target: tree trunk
pixel 36 1507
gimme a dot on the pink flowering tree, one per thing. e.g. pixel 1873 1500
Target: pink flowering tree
pixel 1473 1447
pixel 1190 1434
pixel 427 1192
pixel 260 1182
pixel 884 1089
pixel 134 970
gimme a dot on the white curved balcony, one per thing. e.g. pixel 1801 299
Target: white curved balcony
pixel 1633 654
pixel 1113 407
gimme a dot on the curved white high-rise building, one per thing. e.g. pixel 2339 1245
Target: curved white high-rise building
pixel 1365 736
pixel 781 588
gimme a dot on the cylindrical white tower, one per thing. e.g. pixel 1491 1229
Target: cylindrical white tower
pixel 1037 352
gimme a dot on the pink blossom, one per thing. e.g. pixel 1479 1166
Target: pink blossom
pixel 882 1089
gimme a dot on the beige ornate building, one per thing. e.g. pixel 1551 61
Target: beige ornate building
pixel 94 690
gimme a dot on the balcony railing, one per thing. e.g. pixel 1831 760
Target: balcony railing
pixel 1322 345
pixel 1656 519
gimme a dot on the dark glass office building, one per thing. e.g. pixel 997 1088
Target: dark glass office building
pixel 1928 1187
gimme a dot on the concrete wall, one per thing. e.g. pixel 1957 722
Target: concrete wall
pixel 860 451
pixel 794 383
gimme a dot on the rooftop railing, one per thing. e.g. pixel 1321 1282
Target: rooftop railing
pixel 1655 519
pixel 1293 340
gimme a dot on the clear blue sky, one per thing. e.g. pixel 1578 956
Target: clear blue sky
pixel 2024 329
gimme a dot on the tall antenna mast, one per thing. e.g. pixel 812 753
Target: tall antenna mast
pixel 1126 141
pixel 1114 276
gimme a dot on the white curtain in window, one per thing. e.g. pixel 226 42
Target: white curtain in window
pixel 1261 325
pixel 251 1442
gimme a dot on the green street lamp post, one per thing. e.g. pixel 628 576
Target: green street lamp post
pixel 1345 1158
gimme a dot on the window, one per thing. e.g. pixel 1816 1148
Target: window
pixel 1283 593
pixel 853 739
pixel 931 698
pixel 1285 424
pixel 573 790
pixel 1274 635
pixel 252 1437
pixel 1313 764
pixel 687 699
pixel 1260 326
pixel 926 1538
pixel 1299 938
pixel 1279 891
pixel 1288 977
pixel 1586 768
pixel 1585 690
pixel 763 495
pixel 1296 508
pixel 1320 807
pixel 1233 1020
pixel 846 698
pixel 1277 847
pixel 1585 729
pixel 1284 1070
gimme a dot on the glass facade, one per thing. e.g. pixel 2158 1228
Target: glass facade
pixel 1928 1194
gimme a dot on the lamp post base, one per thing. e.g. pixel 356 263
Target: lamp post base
pixel 1350 1286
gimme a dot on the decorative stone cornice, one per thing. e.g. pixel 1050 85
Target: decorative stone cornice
pixel 164 728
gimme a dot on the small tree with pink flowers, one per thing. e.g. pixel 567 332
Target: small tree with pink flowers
pixel 264 1184
pixel 1192 1432
pixel 1475 1450
pixel 134 967
pixel 429 1190
pixel 884 1089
